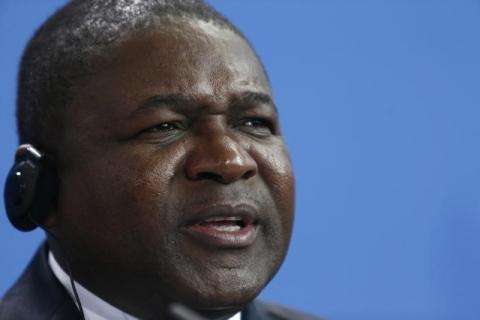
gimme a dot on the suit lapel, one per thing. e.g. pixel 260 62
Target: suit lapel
pixel 37 294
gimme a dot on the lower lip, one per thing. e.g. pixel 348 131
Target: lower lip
pixel 211 236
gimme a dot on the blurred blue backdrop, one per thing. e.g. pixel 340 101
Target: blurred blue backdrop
pixel 380 103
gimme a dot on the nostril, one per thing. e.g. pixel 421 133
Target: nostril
pixel 209 176
pixel 248 174
pixel 223 178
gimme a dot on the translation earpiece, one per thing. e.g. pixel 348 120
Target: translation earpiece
pixel 30 189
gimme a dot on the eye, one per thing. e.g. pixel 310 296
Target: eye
pixel 162 132
pixel 258 126
pixel 162 127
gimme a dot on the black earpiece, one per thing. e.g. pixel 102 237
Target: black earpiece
pixel 30 189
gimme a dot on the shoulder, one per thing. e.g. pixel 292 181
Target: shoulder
pixel 269 311
pixel 37 294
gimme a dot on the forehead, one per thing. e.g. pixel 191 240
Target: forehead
pixel 192 58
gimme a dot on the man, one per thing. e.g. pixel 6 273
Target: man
pixel 168 178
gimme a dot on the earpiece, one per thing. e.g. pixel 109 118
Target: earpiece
pixel 30 189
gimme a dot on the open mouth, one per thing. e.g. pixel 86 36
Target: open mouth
pixel 226 230
pixel 224 224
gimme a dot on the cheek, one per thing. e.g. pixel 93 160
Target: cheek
pixel 127 193
pixel 155 171
pixel 148 192
pixel 275 169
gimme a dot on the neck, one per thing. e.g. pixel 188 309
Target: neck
pixel 157 308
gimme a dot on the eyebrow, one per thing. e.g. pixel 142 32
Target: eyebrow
pixel 159 101
pixel 252 98
pixel 185 104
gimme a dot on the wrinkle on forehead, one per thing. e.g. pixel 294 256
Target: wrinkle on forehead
pixel 198 46
pixel 194 58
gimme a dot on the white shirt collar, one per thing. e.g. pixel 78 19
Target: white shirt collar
pixel 94 307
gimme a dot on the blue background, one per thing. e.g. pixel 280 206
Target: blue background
pixel 380 103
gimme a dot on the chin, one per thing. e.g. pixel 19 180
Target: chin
pixel 226 292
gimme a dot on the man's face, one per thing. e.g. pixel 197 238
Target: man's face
pixel 175 180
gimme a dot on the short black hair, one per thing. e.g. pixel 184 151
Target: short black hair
pixel 63 49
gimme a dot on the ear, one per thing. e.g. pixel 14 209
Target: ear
pixel 32 189
pixel 23 149
pixel 48 192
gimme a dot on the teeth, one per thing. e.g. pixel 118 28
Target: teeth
pixel 227 228
pixel 220 219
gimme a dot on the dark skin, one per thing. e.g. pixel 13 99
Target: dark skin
pixel 176 121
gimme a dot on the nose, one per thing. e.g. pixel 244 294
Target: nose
pixel 221 159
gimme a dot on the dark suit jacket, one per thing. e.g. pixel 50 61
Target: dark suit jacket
pixel 38 295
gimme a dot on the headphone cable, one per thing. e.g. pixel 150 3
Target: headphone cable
pixel 69 270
